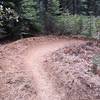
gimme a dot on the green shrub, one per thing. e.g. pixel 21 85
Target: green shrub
pixel 77 24
pixel 69 24
pixel 88 25
pixel 98 24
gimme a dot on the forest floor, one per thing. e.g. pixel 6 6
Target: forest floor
pixel 49 68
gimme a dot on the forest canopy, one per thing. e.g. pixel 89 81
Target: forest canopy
pixel 32 17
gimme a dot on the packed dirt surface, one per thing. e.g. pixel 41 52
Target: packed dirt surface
pixel 49 68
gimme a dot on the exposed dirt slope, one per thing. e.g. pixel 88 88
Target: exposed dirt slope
pixel 35 60
pixel 29 73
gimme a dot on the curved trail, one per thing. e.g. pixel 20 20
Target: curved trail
pixel 34 64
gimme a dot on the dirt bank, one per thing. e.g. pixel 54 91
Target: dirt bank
pixel 42 68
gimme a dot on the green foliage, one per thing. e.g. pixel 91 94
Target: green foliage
pixel 86 25
pixel 77 24
pixel 28 9
pixel 90 26
pixel 51 16
pixel 69 24
pixel 48 11
pixel 2 13
pixel 55 7
pixel 98 24
pixel 8 18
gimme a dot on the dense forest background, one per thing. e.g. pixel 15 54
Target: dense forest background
pixel 32 17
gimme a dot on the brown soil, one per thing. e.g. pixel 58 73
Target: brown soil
pixel 48 68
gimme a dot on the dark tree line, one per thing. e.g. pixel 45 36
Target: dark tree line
pixel 85 7
pixel 32 16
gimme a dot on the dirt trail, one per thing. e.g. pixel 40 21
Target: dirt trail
pixel 35 56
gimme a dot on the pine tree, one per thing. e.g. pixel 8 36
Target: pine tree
pixel 28 9
pixel 97 8
pixel 48 10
